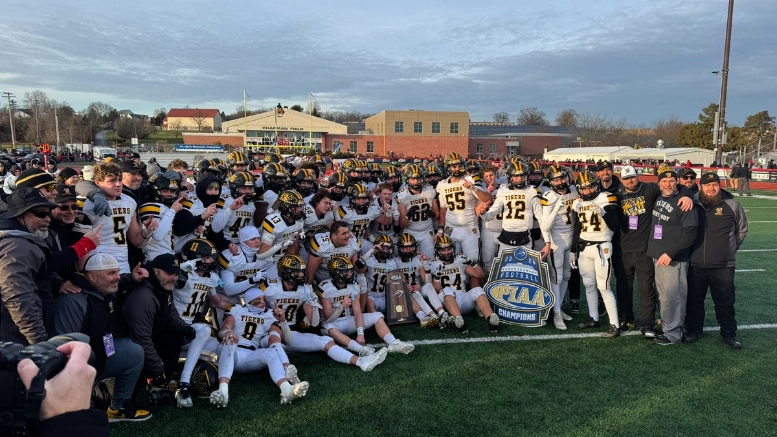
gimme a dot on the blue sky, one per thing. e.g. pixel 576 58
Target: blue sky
pixel 641 60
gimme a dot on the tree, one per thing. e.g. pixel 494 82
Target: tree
pixel 567 118
pixel 501 118
pixel 531 117
pixel 175 127
pixel 597 130
pixel 199 119
pixel 297 108
pixel 668 130
pixel 159 116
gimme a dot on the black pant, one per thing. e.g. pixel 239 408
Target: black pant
pixel 168 344
pixel 623 291
pixel 720 282
pixel 641 265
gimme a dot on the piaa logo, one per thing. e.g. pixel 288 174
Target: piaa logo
pixel 519 288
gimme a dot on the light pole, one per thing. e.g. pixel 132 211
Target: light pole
pixel 11 109
pixel 724 83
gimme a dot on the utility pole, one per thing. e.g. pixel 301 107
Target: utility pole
pixel 37 125
pixel 724 86
pixel 56 126
pixel 11 114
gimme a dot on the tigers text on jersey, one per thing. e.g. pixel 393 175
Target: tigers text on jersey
pixel 424 200
pixel 237 219
pixel 250 327
pixel 327 290
pixel 189 299
pixel 289 301
pixel 561 221
pixel 275 230
pixel 358 222
pixel 450 275
pixel 164 216
pixel 321 246
pixel 459 202
pixel 590 212
pixel 314 223
pixel 114 231
pixel 517 207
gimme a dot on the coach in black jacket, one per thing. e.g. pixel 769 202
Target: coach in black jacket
pixel 150 319
pixel 713 262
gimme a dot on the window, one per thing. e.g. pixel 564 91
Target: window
pixel 513 150
pixel 418 127
pixel 399 127
pixel 435 127
pixel 479 149
pixel 371 146
pixel 352 146
pixel 492 148
pixel 454 128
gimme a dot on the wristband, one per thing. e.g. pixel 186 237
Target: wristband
pixel 360 331
pixel 439 231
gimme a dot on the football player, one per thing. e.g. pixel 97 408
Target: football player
pixel 433 175
pixel 418 208
pixel 339 241
pixel 596 219
pixel 236 162
pixel 340 298
pixel 190 297
pixel 557 231
pixel 166 188
pixel 338 187
pixel 393 177
pixel 318 213
pixel 300 305
pixel 305 182
pixel 122 223
pixel 412 264
pixel 536 180
pixel 283 227
pixel 459 196
pixel 375 174
pixel 245 327
pixel 489 229
pixel 450 275
pixel 386 204
pixel 275 180
pixel 360 212
pixel 239 208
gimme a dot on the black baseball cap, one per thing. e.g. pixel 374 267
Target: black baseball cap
pixel 710 177
pixel 167 262
pixel 130 166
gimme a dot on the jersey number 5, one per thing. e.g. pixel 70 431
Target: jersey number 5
pixel 118 230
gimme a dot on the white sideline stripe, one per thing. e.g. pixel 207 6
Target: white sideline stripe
pixel 762 221
pixel 560 336
pixel 757 250
pixel 750 270
pixel 760 207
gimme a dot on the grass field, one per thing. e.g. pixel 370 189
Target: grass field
pixel 524 381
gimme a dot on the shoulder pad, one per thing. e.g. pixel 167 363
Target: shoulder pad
pixel 222 261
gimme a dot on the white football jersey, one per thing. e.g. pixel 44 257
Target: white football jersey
pixel 250 327
pixel 189 299
pixel 518 208
pixel 376 273
pixel 424 201
pixel 408 268
pixel 236 270
pixel 559 223
pixel 359 223
pixel 275 231
pixel 321 246
pixel 381 229
pixel 450 275
pixel 590 215
pixel 162 239
pixel 237 220
pixel 114 231
pixel 327 290
pixel 289 301
pixel 314 223
pixel 459 202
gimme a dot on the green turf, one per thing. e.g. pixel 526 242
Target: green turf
pixel 626 386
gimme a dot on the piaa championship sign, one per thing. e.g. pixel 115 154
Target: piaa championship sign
pixel 519 288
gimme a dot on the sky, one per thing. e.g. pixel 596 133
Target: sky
pixel 642 60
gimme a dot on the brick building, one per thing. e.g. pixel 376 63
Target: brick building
pixel 193 120
pixel 488 140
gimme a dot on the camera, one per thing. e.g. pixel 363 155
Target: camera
pixel 19 409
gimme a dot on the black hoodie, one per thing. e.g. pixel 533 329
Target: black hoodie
pixel 185 222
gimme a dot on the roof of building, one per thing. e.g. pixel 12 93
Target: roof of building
pixel 478 130
pixel 196 112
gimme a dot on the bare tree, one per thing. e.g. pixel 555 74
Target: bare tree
pixel 668 130
pixel 566 118
pixel 502 117
pixel 175 127
pixel 532 117
pixel 595 129
pixel 199 119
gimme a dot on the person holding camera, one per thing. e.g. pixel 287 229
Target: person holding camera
pixel 93 312
pixel 27 311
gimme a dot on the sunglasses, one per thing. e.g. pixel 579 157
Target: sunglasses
pixel 68 208
pixel 689 178
pixel 40 213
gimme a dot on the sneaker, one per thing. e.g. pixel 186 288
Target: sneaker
pixel 445 320
pixel 429 321
pixel 663 340
pixel 649 332
pixel 401 347
pixel 127 415
pixel 291 374
pixel 566 316
pixel 558 320
pixel 458 321
pixel 574 307
pixel 366 351
pixel 626 326
pixel 740 346
pixel 590 323
pixel 731 342
pixel 292 392
pixel 370 362
pixel 183 396
pixel 493 323
pixel 691 337
pixel 219 398
pixel 612 332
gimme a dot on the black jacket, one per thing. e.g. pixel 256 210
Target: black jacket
pixel 678 229
pixel 724 228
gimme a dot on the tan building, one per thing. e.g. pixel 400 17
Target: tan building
pixel 289 127
pixel 193 120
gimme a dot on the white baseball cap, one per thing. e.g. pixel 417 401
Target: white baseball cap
pixel 101 261
pixel 628 171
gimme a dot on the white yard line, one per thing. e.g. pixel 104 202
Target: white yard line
pixel 560 336
pixel 757 250
pixel 750 270
pixel 762 221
